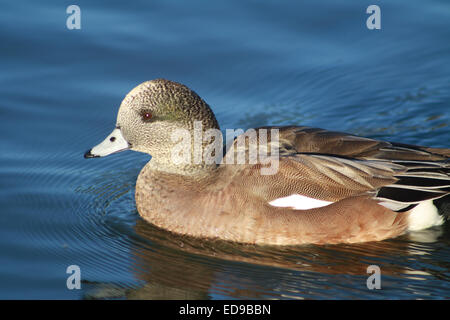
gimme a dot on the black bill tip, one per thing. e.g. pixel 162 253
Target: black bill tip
pixel 88 154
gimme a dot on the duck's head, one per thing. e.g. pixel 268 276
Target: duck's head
pixel 148 117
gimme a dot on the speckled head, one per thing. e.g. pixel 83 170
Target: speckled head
pixel 148 116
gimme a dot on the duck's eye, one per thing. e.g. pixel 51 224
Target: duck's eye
pixel 147 116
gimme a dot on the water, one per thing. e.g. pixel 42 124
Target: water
pixel 256 63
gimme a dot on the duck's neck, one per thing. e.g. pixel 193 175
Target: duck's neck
pixel 181 169
pixel 191 155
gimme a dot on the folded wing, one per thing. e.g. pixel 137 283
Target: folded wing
pixel 332 166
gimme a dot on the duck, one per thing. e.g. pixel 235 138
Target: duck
pixel 304 186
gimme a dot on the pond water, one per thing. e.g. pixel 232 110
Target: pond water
pixel 256 63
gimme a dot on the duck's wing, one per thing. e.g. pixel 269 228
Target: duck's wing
pixel 398 186
pixel 315 140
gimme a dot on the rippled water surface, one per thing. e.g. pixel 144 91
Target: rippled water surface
pixel 256 63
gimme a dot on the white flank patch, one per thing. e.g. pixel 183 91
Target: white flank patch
pixel 299 202
pixel 424 215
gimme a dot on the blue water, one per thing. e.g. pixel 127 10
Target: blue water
pixel 256 63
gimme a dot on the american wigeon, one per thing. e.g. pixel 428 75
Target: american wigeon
pixel 327 187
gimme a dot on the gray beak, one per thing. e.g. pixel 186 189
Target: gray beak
pixel 113 143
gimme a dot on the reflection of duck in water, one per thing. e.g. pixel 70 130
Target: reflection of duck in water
pixel 329 187
pixel 170 266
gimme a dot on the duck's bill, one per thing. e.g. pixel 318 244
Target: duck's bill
pixel 113 143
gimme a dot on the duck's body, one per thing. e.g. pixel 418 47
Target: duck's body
pixel 205 212
pixel 329 187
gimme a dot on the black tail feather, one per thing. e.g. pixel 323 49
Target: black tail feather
pixel 421 181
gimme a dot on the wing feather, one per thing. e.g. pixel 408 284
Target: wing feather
pixel 332 166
